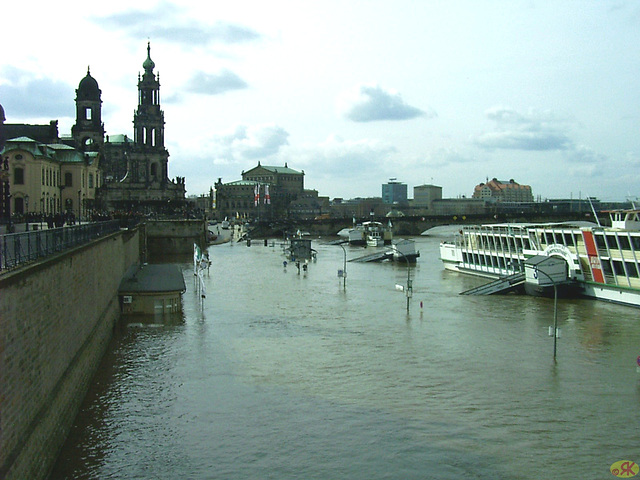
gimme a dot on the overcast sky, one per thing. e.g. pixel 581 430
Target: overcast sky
pixel 352 92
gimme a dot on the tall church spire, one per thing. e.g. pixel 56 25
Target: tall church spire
pixel 148 121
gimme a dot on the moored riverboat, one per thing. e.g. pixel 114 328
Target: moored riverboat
pixel 599 262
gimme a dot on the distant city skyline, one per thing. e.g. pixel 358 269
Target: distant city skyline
pixel 353 93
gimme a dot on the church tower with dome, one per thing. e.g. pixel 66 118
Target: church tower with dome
pixel 88 131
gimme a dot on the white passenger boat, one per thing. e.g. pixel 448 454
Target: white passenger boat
pixel 372 234
pixel 602 262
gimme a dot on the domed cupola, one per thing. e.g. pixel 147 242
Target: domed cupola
pixel 88 88
pixel 88 131
pixel 148 64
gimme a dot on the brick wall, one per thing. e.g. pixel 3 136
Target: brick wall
pixel 56 320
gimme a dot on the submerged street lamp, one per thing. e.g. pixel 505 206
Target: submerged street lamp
pixel 553 331
pixel 343 273
pixel 409 289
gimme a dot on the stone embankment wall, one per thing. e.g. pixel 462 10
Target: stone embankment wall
pixel 174 237
pixel 56 320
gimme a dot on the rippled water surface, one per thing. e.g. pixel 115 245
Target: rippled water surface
pixel 279 374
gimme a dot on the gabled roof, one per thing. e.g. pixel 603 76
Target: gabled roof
pixel 273 169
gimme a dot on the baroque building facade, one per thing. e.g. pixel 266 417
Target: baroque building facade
pixel 265 192
pixel 45 174
pixel 501 191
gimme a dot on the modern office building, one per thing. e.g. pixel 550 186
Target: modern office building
pixel 424 195
pixel 394 192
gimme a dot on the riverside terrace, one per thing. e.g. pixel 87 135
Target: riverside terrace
pixel 27 246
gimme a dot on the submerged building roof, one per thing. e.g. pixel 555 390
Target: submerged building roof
pixel 156 278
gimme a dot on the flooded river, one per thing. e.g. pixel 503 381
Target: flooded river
pixel 279 375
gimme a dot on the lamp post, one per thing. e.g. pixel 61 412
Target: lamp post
pixel 26 213
pixel 41 210
pixel 344 269
pixel 555 309
pixel 79 209
pixel 409 289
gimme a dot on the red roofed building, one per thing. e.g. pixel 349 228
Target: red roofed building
pixel 500 191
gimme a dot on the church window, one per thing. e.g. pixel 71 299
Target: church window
pixel 68 179
pixel 91 180
pixel 88 113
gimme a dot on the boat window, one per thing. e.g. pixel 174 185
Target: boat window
pixel 600 242
pixel 611 242
pixel 632 269
pixel 548 238
pixel 568 240
pixel 606 267
pixel 618 268
pixel 624 242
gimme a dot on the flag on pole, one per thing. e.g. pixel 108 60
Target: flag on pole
pixel 267 198
pixel 197 255
pixel 256 195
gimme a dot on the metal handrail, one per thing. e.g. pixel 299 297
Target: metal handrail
pixel 19 248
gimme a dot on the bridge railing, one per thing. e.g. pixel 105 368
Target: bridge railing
pixel 20 248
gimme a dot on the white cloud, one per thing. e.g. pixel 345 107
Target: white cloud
pixel 531 131
pixel 214 84
pixel 172 22
pixel 585 155
pixel 369 103
pixel 249 142
pixel 24 96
